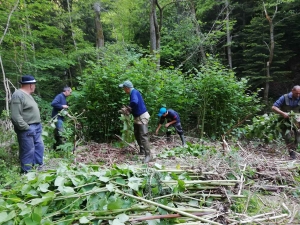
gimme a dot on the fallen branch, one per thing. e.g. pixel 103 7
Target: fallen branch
pixel 126 142
pixel 168 216
pixel 168 208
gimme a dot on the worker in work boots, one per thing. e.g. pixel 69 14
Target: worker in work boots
pixel 173 119
pixel 283 106
pixel 141 118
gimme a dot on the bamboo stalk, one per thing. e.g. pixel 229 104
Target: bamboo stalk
pixel 213 182
pixel 242 180
pixel 264 219
pixel 168 216
pixel 168 208
pixel 190 171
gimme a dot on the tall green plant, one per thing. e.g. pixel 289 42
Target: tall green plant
pixel 218 99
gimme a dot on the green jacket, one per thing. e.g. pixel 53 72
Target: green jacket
pixel 24 110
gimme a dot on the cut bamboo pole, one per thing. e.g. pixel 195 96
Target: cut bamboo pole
pixel 168 208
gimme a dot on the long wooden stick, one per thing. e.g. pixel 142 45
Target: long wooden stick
pixel 126 142
pixel 168 216
pixel 168 208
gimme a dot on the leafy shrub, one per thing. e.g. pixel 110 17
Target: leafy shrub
pixel 217 99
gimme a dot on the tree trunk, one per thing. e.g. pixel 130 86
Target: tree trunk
pixel 152 26
pixel 271 54
pixel 99 29
pixel 228 35
pixel 198 30
pixel 155 30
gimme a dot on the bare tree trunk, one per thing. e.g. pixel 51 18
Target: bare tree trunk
pixel 271 54
pixel 198 30
pixel 99 28
pixel 152 26
pixel 8 19
pixel 155 30
pixel 73 35
pixel 228 35
pixel 7 90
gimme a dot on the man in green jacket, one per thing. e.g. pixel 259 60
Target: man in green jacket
pixel 25 116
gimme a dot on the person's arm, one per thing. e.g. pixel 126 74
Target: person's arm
pixel 57 103
pixel 280 112
pixel 277 105
pixel 170 123
pixel 133 100
pixel 16 114
pixel 157 129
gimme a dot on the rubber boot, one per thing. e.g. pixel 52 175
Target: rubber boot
pixel 183 140
pixel 168 136
pixel 292 154
pixel 143 130
pixel 138 138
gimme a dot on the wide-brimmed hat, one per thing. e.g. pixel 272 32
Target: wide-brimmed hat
pixel 27 79
pixel 127 84
pixel 162 111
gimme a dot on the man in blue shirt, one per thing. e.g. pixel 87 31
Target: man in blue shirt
pixel 173 119
pixel 283 106
pixel 141 119
pixel 59 103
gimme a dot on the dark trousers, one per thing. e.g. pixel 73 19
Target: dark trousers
pixel 31 147
pixel 141 136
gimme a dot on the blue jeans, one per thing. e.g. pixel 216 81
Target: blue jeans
pixel 31 147
pixel 59 124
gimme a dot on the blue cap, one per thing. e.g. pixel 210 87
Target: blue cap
pixel 162 111
pixel 27 79
pixel 127 84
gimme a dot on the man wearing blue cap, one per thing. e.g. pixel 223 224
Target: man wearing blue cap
pixel 173 119
pixel 25 116
pixel 141 119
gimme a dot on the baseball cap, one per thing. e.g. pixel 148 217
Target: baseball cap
pixel 127 84
pixel 162 111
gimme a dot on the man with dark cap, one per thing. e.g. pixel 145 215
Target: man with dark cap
pixel 59 103
pixel 25 116
pixel 141 119
pixel 173 119
pixel 283 106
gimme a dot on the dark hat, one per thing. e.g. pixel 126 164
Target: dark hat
pixel 27 79
pixel 127 84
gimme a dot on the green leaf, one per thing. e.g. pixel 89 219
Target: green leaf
pixel 59 181
pixel 122 217
pixel 36 217
pixel 117 222
pixel 120 181
pixel 115 204
pixel 110 187
pixel 84 220
pixel 66 190
pixel 104 179
pixel 44 187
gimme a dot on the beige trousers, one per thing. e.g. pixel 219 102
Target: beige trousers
pixel 142 119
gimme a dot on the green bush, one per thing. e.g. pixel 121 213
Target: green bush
pixel 210 100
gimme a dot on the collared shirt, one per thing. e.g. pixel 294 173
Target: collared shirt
pixel 293 103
